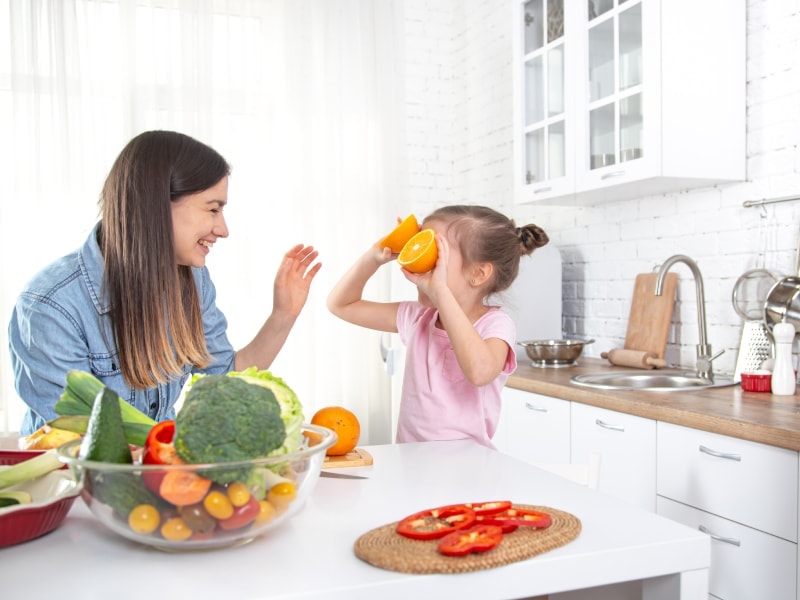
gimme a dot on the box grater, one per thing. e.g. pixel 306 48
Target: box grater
pixel 754 349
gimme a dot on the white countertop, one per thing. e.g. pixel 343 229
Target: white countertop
pixel 311 556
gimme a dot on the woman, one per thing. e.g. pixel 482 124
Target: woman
pixel 135 305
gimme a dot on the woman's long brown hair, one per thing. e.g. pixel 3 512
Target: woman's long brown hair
pixel 155 308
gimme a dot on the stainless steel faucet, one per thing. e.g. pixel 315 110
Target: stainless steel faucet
pixel 704 357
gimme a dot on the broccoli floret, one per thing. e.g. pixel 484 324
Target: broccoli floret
pixel 226 419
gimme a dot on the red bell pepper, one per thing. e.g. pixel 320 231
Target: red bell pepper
pixel 519 517
pixel 489 508
pixel 480 538
pixel 159 450
pixel 436 522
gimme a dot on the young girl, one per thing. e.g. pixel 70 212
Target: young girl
pixel 460 349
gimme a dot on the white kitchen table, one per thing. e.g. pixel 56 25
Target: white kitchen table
pixel 311 556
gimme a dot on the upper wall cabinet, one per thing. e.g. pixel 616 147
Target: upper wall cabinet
pixel 617 99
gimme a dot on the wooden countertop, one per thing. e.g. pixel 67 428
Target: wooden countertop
pixel 758 417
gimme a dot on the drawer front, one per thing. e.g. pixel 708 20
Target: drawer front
pixel 745 563
pixel 627 448
pixel 533 427
pixel 747 482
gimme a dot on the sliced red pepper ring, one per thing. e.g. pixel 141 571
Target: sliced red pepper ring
pixel 520 517
pixel 506 526
pixel 480 538
pixel 489 508
pixel 436 522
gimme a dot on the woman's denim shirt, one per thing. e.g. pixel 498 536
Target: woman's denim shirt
pixel 61 322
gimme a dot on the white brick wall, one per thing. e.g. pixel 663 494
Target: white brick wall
pixel 459 119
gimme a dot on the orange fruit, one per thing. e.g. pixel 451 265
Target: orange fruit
pixel 398 237
pixel 419 254
pixel 344 423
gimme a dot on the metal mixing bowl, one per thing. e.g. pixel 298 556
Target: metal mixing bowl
pixel 554 353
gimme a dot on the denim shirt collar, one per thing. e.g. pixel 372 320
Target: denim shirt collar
pixel 92 265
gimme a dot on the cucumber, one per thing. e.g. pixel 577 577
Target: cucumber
pixel 122 491
pixel 105 435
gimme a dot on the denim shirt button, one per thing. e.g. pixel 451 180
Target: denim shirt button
pixel 153 405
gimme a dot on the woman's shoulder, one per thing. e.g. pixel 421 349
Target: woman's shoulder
pixel 54 276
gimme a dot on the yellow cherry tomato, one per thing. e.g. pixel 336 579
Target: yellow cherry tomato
pixel 175 530
pixel 281 495
pixel 266 512
pixel 144 519
pixel 238 494
pixel 218 505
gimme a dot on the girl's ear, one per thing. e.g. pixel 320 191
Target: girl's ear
pixel 480 273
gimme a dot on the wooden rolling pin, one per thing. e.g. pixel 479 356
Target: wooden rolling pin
pixel 638 359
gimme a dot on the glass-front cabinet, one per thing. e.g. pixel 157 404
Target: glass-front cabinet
pixel 624 98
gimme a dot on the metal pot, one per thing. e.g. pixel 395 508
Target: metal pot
pixel 783 303
pixel 554 353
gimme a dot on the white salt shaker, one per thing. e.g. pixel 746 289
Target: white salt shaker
pixel 784 380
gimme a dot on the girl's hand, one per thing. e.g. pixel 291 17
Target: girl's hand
pixel 432 281
pixel 293 281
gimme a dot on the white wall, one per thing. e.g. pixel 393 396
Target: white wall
pixel 459 116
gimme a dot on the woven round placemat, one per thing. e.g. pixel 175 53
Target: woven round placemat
pixel 385 548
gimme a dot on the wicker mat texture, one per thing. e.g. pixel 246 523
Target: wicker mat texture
pixel 385 548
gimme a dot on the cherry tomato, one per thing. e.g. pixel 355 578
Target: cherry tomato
pixel 238 494
pixel 218 505
pixel 242 515
pixel 175 530
pixel 144 519
pixel 197 518
pixel 281 495
pixel 266 512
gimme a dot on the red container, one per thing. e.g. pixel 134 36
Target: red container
pixel 757 382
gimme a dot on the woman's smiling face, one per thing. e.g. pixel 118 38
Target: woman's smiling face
pixel 197 222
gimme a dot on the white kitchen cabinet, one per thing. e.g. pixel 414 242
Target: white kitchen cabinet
pixel 533 427
pixel 745 495
pixel 627 448
pixel 743 481
pixel 615 99
pixel 745 563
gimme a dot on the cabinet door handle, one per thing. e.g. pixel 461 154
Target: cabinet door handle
pixel 719 538
pixel 612 174
pixel 711 452
pixel 530 406
pixel 543 190
pixel 605 425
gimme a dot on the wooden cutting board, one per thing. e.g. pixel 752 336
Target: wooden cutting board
pixel 357 458
pixel 651 315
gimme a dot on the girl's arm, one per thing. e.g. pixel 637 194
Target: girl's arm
pixel 345 299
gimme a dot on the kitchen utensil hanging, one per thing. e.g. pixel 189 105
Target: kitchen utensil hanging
pixel 749 296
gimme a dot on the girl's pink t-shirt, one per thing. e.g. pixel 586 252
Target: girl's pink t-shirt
pixel 438 403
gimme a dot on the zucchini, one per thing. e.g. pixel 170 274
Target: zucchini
pixel 121 491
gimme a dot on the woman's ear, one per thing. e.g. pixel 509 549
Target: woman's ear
pixel 480 273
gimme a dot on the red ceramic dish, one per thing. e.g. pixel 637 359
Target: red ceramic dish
pixel 757 382
pixel 53 495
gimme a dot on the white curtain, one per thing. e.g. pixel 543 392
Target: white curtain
pixel 303 97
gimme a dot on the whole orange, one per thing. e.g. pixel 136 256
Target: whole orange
pixel 344 423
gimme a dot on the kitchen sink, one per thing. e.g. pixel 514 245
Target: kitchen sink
pixel 662 380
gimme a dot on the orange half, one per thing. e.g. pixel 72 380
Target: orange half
pixel 400 235
pixel 419 254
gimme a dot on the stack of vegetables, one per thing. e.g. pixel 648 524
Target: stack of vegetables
pixel 231 418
